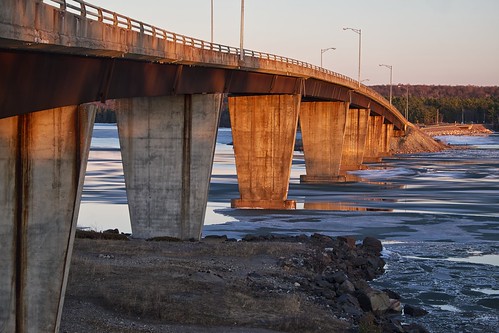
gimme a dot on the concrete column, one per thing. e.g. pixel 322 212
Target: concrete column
pixel 387 135
pixel 323 126
pixel 355 140
pixel 167 146
pixel 264 131
pixel 373 139
pixel 43 159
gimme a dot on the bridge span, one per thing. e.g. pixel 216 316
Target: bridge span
pixel 62 60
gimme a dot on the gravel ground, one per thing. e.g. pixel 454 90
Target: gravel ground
pixel 289 284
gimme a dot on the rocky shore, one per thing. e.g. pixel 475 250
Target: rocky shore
pixel 456 129
pixel 258 284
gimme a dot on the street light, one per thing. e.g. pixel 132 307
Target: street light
pixel 241 47
pixel 325 50
pixel 359 32
pixel 212 21
pixel 391 76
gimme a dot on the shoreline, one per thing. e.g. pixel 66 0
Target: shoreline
pixel 456 130
pixel 259 284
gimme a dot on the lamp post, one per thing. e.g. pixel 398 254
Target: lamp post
pixel 212 21
pixel 325 50
pixel 406 101
pixel 359 32
pixel 391 76
pixel 241 47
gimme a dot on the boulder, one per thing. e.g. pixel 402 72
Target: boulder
pixel 372 244
pixel 414 311
pixel 373 300
pixel 349 241
pixel 347 287
pixel 414 328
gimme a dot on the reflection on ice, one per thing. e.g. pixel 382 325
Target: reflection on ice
pixel 341 206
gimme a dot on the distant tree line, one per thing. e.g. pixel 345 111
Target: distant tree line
pixel 105 116
pixel 430 104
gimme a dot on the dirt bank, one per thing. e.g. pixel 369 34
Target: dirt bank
pixel 261 284
pixel 415 141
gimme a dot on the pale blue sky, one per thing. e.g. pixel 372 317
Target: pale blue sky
pixel 452 42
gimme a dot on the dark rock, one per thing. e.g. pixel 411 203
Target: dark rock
pixel 338 277
pixel 215 238
pixel 347 287
pixel 394 326
pixel 320 281
pixel 164 239
pixel 414 311
pixel 323 240
pixel 348 299
pixel 359 261
pixel 414 328
pixel 349 241
pixel 392 294
pixel 372 244
pixel 89 234
pixel 251 238
pixel 111 231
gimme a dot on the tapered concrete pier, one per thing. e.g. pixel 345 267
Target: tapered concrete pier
pixel 372 152
pixel 167 146
pixel 264 131
pixel 323 126
pixel 354 142
pixel 43 159
pixel 386 137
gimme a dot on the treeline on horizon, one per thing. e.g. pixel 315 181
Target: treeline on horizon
pixel 468 104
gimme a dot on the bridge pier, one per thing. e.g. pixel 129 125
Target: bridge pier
pixel 264 131
pixel 43 159
pixel 167 145
pixel 372 149
pixel 323 126
pixel 386 137
pixel 354 143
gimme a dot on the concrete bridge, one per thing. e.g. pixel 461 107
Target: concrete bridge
pixel 57 59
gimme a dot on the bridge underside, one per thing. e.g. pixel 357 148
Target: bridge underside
pixel 54 80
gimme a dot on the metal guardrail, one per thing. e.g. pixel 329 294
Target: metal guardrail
pixel 92 12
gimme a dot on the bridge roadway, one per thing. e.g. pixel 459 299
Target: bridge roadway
pixel 58 58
